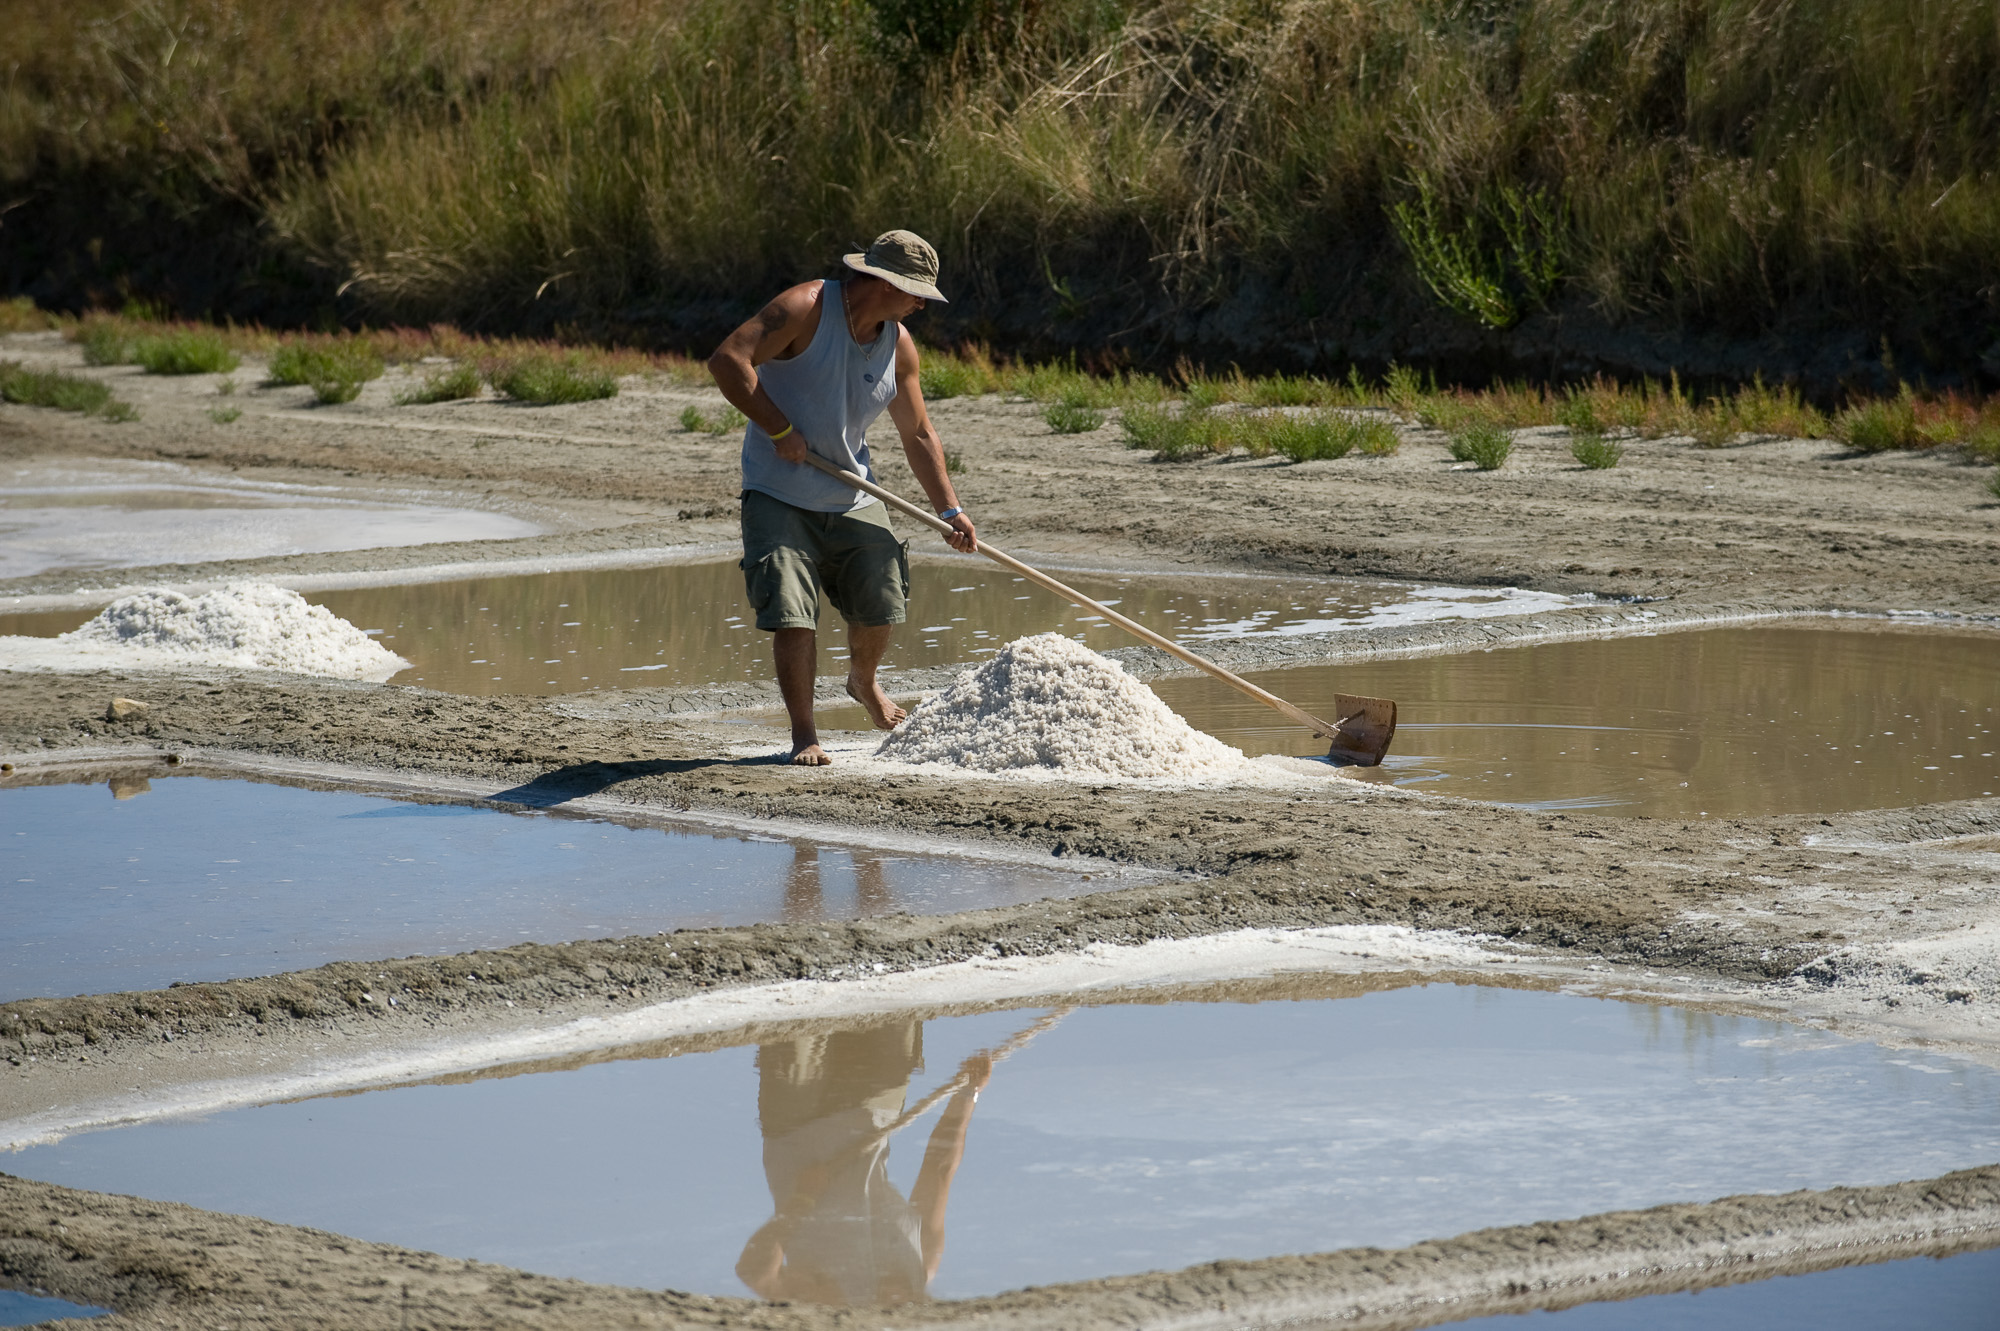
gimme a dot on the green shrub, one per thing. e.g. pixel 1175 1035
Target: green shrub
pixel 334 370
pixel 1174 437
pixel 447 385
pixel 1285 390
pixel 695 421
pixel 954 462
pixel 225 415
pixel 945 375
pixel 104 342
pixel 1319 436
pixel 20 315
pixel 1578 414
pixel 1072 417
pixel 546 382
pixel 1594 451
pixel 1483 444
pixel 184 351
pixel 64 392
pixel 1983 441
pixel 1377 438
pixel 1876 427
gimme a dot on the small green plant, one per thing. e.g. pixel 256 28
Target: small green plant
pixel 1174 437
pixel 448 385
pixel 224 415
pixel 1322 436
pixel 226 388
pixel 1483 444
pixel 1594 451
pixel 104 341
pixel 1993 485
pixel 1982 441
pixel 1285 390
pixel 1877 427
pixel 945 375
pixel 184 351
pixel 334 370
pixel 1377 438
pixel 1072 417
pixel 119 411
pixel 20 315
pixel 954 462
pixel 547 382
pixel 50 388
pixel 1578 414
pixel 695 421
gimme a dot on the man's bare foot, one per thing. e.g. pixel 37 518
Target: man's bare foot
pixel 811 755
pixel 885 714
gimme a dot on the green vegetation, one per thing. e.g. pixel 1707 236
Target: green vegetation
pixel 225 415
pixel 452 384
pixel 1072 417
pixel 184 351
pixel 546 381
pixel 1482 443
pixel 64 392
pixel 726 421
pixel 1596 452
pixel 334 368
pixel 1091 167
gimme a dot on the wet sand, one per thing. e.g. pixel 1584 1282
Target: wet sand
pixel 1881 923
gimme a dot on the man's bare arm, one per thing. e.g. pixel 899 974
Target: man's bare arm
pixel 778 327
pixel 921 444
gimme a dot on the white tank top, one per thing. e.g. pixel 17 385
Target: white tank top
pixel 832 391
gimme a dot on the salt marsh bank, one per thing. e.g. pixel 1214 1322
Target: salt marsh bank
pixel 1860 910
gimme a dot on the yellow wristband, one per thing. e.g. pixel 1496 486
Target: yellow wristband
pixel 789 427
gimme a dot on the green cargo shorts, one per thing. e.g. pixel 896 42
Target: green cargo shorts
pixel 790 553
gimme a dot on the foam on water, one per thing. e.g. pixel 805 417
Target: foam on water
pixel 246 625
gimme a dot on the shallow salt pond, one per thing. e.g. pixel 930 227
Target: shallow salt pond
pixel 140 882
pixel 1798 717
pixel 19 1308
pixel 108 513
pixel 687 625
pixel 1956 1293
pixel 843 1162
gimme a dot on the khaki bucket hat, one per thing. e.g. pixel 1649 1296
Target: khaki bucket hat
pixel 904 260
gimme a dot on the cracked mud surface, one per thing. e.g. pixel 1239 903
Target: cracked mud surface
pixel 1768 528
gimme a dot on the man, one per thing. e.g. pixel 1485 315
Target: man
pixel 812 371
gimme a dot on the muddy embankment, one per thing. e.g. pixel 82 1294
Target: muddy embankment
pixel 1698 535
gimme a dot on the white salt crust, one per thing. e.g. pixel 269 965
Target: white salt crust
pixel 246 625
pixel 1050 703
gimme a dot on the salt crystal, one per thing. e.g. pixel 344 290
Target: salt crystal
pixel 1049 702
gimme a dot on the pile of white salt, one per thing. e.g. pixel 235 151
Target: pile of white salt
pixel 246 625
pixel 1050 703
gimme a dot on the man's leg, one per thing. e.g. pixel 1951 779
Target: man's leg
pixel 865 646
pixel 797 654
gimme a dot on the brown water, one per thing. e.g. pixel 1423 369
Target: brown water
pixel 687 624
pixel 1799 717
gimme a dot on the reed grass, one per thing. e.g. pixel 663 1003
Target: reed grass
pixel 1729 167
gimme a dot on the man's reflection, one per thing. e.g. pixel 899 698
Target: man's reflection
pixel 805 900
pixel 842 1233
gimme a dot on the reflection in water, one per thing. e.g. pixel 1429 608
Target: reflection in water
pixel 1140 1135
pixel 1727 723
pixel 829 1106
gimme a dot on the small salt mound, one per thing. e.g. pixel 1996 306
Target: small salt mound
pixel 1049 702
pixel 249 625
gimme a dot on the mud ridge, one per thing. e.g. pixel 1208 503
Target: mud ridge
pixel 168 1266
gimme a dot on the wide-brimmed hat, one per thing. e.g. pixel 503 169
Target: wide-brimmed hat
pixel 904 260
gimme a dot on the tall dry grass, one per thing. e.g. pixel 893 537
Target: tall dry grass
pixel 1724 165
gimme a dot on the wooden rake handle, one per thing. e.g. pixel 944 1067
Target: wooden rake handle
pixel 1360 737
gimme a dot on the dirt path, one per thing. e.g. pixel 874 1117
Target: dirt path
pixel 1801 906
